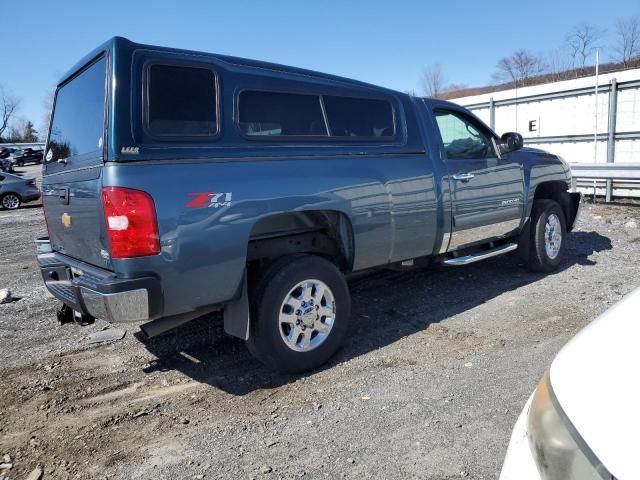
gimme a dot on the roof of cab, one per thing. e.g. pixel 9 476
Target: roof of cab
pixel 116 43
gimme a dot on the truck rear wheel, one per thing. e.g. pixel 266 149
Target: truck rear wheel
pixel 544 241
pixel 300 310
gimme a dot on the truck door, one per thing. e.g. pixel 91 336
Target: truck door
pixel 487 190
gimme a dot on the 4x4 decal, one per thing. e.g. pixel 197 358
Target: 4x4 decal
pixel 210 199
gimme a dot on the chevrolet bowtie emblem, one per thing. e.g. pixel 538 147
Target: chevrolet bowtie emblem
pixel 66 220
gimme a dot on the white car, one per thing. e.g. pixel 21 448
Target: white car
pixel 583 420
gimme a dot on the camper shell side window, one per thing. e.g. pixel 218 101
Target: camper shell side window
pixel 181 101
pixel 291 116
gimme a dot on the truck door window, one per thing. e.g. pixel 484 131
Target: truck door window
pixel 182 101
pixel 281 114
pixel 461 138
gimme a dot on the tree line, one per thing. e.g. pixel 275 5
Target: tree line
pixel 14 129
pixel 574 58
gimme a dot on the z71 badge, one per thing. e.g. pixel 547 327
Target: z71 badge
pixel 209 199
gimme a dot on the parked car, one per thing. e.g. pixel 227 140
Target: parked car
pixel 5 152
pixel 257 189
pixel 28 155
pixel 6 165
pixel 582 420
pixel 14 191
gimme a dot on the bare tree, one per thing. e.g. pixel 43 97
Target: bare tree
pixel 519 68
pixel 560 65
pixel 627 40
pixel 454 87
pixel 582 42
pixel 433 80
pixel 8 106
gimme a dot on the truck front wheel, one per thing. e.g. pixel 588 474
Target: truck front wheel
pixel 543 241
pixel 300 310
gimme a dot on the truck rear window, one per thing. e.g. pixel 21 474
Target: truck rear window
pixel 182 101
pixel 77 126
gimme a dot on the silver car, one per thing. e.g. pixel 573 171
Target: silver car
pixel 14 191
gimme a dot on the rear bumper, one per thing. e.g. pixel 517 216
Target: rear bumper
pixel 97 292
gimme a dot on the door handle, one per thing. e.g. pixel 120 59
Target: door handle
pixel 464 177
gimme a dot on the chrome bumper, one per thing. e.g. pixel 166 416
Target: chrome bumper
pixel 129 306
pixel 97 292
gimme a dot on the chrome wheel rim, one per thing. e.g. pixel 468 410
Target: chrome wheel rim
pixel 552 236
pixel 307 315
pixel 10 201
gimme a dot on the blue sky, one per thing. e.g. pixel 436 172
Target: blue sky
pixel 386 42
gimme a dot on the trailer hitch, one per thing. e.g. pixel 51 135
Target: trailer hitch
pixel 66 314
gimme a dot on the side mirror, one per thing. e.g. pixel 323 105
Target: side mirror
pixel 511 141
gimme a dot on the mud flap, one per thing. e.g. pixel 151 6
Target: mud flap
pixel 236 314
pixel 576 198
pixel 524 241
pixel 570 203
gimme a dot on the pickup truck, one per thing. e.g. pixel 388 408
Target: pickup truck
pixel 27 155
pixel 177 183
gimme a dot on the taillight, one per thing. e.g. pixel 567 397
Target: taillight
pixel 132 227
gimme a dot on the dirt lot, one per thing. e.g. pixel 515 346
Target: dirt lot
pixel 429 384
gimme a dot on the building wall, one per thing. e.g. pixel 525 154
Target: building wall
pixel 562 117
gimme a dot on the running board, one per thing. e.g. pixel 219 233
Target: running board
pixel 467 259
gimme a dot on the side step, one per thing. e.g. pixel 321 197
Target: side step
pixel 467 259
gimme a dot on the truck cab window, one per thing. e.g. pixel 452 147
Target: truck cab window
pixel 461 138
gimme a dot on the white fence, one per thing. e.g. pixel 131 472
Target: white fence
pixel 564 118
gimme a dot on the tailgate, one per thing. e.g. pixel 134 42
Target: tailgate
pixel 73 166
pixel 73 210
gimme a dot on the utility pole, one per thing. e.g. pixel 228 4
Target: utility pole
pixel 595 133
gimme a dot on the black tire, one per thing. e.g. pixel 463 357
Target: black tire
pixel 273 286
pixel 10 201
pixel 537 254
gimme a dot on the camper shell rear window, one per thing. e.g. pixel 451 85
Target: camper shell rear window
pixel 77 124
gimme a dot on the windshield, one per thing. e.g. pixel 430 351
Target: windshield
pixel 78 118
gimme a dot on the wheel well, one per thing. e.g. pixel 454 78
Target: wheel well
pixel 549 189
pixel 323 232
pixel 558 191
pixel 11 193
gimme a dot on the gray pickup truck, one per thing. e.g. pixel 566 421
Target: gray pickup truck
pixel 177 183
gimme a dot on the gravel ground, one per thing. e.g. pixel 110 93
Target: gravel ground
pixel 429 384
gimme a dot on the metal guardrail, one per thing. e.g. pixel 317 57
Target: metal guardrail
pixel 607 172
